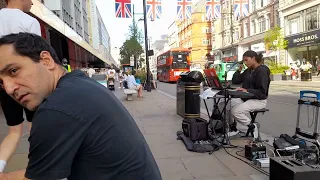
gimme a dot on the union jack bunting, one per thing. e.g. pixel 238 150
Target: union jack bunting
pixel 154 9
pixel 213 9
pixel 123 8
pixel 241 8
pixel 184 9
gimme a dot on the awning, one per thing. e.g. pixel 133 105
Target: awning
pixel 42 12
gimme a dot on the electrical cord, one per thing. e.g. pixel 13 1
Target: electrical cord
pixel 250 164
pixel 227 139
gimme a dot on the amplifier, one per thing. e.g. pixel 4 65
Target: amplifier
pixel 287 168
pixel 253 152
pixel 196 129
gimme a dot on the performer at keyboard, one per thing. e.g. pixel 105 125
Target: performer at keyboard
pixel 255 80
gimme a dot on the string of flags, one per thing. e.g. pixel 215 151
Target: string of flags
pixel 123 8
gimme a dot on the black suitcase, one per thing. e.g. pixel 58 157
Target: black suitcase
pixel 196 129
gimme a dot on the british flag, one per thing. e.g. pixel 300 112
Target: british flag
pixel 241 8
pixel 184 9
pixel 123 8
pixel 154 9
pixel 213 9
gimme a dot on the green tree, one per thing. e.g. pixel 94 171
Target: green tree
pixel 132 46
pixel 274 39
pixel 135 33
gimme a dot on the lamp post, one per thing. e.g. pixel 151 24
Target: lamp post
pixel 146 45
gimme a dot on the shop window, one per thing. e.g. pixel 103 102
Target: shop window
pixel 311 19
pixel 293 24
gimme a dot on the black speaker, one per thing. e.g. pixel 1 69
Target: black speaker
pixel 196 129
pixel 287 168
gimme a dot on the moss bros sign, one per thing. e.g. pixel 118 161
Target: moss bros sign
pixel 304 39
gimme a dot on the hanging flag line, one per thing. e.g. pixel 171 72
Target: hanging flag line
pixel 123 9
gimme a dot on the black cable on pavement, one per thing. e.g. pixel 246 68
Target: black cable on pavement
pixel 251 165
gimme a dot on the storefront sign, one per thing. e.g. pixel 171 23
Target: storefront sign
pixel 260 47
pixel 304 39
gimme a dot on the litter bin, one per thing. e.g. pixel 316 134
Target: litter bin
pixel 306 76
pixel 188 91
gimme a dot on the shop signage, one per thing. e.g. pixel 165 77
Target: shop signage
pixel 304 39
pixel 260 47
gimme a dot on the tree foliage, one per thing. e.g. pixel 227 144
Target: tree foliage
pixel 274 39
pixel 132 46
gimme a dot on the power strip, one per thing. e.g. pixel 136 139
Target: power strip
pixel 263 162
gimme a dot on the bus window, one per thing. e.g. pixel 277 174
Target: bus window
pixel 179 60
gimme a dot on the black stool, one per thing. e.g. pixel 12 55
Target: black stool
pixel 253 115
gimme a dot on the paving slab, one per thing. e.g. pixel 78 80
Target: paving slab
pixel 156 113
pixel 156 117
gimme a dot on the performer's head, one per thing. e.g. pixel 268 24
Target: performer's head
pixel 251 59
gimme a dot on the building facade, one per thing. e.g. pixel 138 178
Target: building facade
pixel 300 20
pixel 195 34
pixel 74 13
pixel 158 47
pixel 263 16
pixel 104 38
pixel 232 35
pixel 93 24
pixel 173 39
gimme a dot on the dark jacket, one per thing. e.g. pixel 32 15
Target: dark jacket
pixel 255 81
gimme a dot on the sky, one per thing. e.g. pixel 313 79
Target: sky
pixel 118 27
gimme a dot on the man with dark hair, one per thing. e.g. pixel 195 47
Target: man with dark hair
pixel 13 19
pixel 75 134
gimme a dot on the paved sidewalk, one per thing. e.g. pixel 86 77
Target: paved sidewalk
pixel 20 159
pixel 156 117
pixel 314 84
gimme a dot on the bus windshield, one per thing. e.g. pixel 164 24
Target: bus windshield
pixel 180 60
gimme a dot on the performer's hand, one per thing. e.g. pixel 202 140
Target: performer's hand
pixel 242 89
pixel 240 67
pixel 3 176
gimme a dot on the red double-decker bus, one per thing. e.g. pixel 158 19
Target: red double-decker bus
pixel 171 63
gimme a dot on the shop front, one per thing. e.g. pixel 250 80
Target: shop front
pixel 229 55
pixel 304 47
pixel 267 55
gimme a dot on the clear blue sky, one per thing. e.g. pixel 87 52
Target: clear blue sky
pixel 118 28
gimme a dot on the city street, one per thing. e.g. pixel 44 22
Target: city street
pixel 282 103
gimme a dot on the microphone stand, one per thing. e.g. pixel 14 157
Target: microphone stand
pixel 226 100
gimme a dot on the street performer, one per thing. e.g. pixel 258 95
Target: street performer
pixel 255 80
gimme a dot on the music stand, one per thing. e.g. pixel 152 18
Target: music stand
pixel 213 79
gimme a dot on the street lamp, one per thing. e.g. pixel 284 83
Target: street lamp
pixel 146 45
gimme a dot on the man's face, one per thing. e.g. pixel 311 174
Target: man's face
pixel 26 5
pixel 27 82
pixel 248 61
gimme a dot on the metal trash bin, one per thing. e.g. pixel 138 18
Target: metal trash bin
pixel 306 76
pixel 188 91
